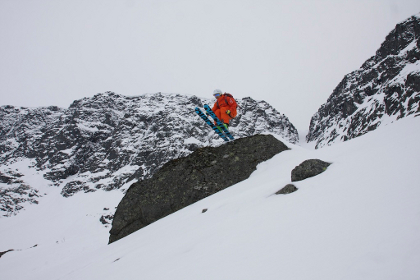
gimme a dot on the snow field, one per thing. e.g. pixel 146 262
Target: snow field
pixel 358 220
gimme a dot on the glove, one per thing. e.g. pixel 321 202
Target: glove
pixel 228 112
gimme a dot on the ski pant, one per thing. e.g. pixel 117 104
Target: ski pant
pixel 222 116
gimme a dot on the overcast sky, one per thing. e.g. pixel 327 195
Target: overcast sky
pixel 290 53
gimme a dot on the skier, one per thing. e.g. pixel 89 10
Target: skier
pixel 224 107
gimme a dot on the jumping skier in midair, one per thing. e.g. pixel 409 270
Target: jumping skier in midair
pixel 223 111
pixel 224 107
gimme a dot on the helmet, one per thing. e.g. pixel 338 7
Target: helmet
pixel 217 92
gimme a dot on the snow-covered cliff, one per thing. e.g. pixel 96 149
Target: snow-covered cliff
pixel 108 140
pixel 386 88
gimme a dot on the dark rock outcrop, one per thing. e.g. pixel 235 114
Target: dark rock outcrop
pixel 183 181
pixel 309 168
pixel 385 88
pixel 289 188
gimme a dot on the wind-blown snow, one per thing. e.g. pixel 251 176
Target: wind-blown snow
pixel 358 220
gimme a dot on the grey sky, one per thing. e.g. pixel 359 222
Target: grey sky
pixel 289 53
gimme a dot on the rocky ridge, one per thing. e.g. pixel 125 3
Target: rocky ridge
pixel 386 88
pixel 108 140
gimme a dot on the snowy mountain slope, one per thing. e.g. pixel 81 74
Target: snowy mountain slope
pixel 385 88
pixel 360 219
pixel 103 142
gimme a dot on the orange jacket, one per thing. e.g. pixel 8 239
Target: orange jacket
pixel 224 102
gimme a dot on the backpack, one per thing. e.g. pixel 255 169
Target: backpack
pixel 232 103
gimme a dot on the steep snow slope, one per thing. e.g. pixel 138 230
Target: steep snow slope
pixel 358 220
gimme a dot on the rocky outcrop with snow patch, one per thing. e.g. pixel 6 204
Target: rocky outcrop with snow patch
pixel 309 168
pixel 386 88
pixel 108 140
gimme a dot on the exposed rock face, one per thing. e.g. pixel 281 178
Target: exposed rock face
pixel 309 168
pixel 386 88
pixel 183 181
pixel 108 140
pixel 16 193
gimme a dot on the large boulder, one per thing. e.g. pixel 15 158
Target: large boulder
pixel 289 188
pixel 309 168
pixel 183 181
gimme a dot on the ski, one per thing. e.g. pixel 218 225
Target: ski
pixel 211 124
pixel 219 123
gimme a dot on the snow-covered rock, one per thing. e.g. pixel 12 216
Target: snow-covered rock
pixel 108 140
pixel 386 88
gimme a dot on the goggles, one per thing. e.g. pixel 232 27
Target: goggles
pixel 217 94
